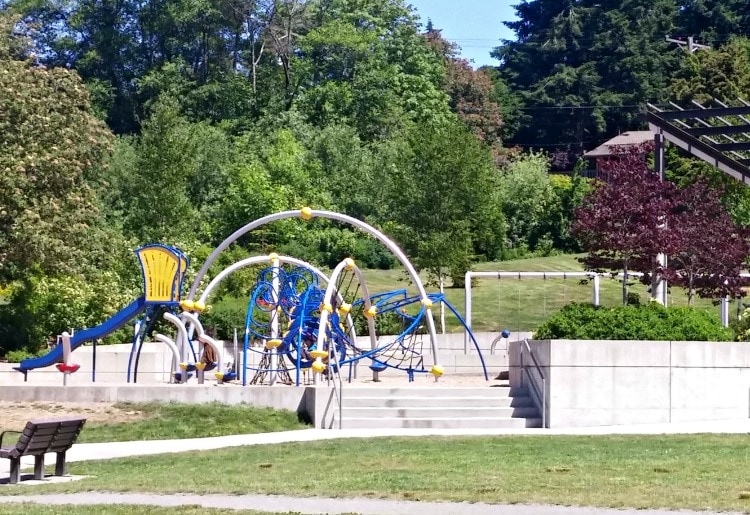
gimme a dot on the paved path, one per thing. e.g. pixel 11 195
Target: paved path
pixel 101 451
pixel 318 505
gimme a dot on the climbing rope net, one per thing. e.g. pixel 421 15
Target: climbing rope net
pixel 291 328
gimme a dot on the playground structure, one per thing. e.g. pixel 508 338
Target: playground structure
pixel 302 326
pixel 296 324
pixel 163 269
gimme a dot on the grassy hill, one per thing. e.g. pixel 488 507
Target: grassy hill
pixel 522 304
pixel 510 303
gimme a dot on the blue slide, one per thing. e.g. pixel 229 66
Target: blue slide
pixel 117 320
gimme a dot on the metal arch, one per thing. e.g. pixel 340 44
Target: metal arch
pixel 337 272
pixel 254 261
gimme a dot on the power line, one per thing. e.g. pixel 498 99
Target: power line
pixel 588 106
pixel 552 145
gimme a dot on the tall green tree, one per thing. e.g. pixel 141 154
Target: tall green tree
pixel 167 184
pixel 712 21
pixel 365 64
pixel 49 144
pixel 722 73
pixel 566 195
pixel 205 44
pixel 471 91
pixel 349 171
pixel 443 192
pixel 95 39
pixel 526 194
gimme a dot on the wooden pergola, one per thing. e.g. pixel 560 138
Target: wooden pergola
pixel 719 135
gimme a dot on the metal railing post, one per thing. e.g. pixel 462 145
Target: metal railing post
pixel 544 403
pixel 596 290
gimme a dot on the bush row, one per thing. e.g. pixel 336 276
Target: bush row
pixel 652 321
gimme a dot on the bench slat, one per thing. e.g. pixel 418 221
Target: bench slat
pixel 69 428
pixel 43 431
pixel 49 435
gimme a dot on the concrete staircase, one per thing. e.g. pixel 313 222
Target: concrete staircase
pixel 437 407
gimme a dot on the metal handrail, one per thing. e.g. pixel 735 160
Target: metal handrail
pixel 538 368
pixel 497 340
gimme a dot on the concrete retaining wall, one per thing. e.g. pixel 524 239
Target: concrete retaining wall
pixel 593 383
pixel 154 366
pixel 315 403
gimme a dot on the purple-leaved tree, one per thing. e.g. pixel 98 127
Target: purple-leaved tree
pixel 625 222
pixel 621 222
pixel 709 247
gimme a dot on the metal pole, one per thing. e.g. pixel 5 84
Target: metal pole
pixel 467 305
pixel 596 290
pixel 93 363
pixel 659 285
pixel 275 317
pixel 725 311
pixel 544 402
pixel 235 355
pixel 442 305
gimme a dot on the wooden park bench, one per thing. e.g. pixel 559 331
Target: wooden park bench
pixel 39 437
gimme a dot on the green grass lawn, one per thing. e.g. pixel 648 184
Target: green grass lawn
pixel 158 421
pixel 674 471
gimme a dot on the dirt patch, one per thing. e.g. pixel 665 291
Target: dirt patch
pixel 15 415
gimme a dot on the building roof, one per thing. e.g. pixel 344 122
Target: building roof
pixel 624 139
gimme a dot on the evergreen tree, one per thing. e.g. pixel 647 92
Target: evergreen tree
pixel 583 68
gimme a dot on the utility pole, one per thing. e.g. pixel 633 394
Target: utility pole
pixel 690 45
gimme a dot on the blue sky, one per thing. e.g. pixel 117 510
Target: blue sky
pixel 475 25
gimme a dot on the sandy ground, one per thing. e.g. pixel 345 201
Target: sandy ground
pixel 15 415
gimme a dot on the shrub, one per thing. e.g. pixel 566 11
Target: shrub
pixel 225 316
pixel 16 356
pixel 635 322
pixel 41 307
pixel 741 326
